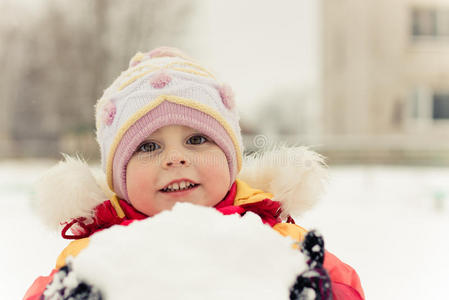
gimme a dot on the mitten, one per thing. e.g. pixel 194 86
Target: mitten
pixel 314 283
pixel 66 286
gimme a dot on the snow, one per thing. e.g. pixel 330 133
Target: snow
pixel 390 223
pixel 176 256
pixel 310 293
pixel 28 249
pixel 316 248
pixel 57 284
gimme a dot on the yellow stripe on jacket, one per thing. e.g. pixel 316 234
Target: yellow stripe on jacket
pixel 246 194
pixel 73 249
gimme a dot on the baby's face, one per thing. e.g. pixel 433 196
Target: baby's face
pixel 172 158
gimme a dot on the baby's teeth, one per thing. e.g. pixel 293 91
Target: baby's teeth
pixel 183 185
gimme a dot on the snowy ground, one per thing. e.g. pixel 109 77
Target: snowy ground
pixel 391 224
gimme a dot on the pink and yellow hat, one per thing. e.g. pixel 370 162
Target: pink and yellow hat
pixel 163 87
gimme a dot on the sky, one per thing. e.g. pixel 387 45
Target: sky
pixel 259 47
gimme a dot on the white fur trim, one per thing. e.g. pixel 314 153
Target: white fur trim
pixel 67 190
pixel 100 179
pixel 295 176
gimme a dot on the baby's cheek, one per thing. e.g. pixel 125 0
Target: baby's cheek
pixel 133 185
pixel 218 178
pixel 138 177
pixel 214 161
pixel 139 194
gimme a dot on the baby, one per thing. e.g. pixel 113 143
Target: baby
pixel 176 164
pixel 168 132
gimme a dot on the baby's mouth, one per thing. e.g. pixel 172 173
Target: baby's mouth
pixel 174 189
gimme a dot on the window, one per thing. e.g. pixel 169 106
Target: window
pixel 440 106
pixel 430 23
pixel 428 105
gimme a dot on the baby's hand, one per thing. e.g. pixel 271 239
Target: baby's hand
pixel 66 286
pixel 313 248
pixel 313 283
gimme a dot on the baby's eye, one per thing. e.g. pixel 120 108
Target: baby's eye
pixel 148 147
pixel 197 140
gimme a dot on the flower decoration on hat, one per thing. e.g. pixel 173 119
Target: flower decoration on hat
pixel 160 80
pixel 109 111
pixel 227 96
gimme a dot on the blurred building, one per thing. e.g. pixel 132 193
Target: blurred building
pixel 385 80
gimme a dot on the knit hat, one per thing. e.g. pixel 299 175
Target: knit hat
pixel 163 87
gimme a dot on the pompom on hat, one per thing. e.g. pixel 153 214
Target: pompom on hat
pixel 160 88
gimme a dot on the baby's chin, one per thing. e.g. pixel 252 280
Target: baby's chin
pixel 168 205
pixel 163 201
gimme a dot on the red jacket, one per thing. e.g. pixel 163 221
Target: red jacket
pixel 240 199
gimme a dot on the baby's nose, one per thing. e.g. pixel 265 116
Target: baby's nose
pixel 175 162
pixel 175 159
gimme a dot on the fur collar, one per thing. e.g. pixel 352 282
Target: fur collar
pixel 295 176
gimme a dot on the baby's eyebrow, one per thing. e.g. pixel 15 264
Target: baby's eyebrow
pixel 150 139
pixel 200 133
pixel 195 132
pixel 189 130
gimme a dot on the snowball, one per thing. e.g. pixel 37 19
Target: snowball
pixel 191 252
